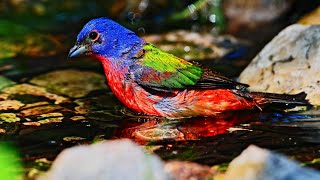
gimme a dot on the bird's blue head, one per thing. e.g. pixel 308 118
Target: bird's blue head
pixel 107 38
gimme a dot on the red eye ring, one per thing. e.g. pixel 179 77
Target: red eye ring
pixel 94 35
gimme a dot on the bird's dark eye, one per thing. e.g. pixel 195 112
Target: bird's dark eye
pixel 94 35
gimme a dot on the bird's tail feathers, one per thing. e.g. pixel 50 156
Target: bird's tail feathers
pixel 280 100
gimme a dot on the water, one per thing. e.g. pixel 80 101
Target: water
pixel 44 113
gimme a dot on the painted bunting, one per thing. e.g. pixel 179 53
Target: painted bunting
pixel 153 82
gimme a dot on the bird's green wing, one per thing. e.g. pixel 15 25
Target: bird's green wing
pixel 159 70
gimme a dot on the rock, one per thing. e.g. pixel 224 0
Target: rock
pixel 10 105
pixel 78 118
pixel 73 138
pixel 48 118
pixel 39 110
pixel 72 83
pixel 118 159
pixel 311 18
pixel 35 91
pixel 182 170
pixel 256 163
pixel 9 117
pixel 289 64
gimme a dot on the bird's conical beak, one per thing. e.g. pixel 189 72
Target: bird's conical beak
pixel 77 50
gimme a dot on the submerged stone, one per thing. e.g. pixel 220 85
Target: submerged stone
pixel 10 105
pixel 289 64
pixel 40 110
pixel 78 118
pixel 9 117
pixel 50 118
pixel 36 91
pixel 31 124
pixel 72 83
pixel 73 138
pixel 2 131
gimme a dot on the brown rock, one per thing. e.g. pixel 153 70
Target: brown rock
pixel 34 90
pixel 182 170
pixel 72 83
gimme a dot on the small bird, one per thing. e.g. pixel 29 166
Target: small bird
pixel 153 82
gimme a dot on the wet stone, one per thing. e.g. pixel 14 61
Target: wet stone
pixel 78 118
pixel 2 131
pixel 40 110
pixel 4 97
pixel 72 83
pixel 9 117
pixel 50 118
pixel 10 105
pixel 35 104
pixel 31 124
pixel 289 64
pixel 73 138
pixel 35 91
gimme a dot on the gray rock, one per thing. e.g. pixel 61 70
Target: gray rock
pixel 255 163
pixel 289 64
pixel 118 159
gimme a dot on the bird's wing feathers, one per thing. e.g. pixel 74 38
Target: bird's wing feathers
pixel 162 71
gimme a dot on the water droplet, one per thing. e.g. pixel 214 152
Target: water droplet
pixel 194 16
pixel 52 142
pixel 174 152
pixel 130 15
pixel 213 18
pixel 186 48
pixel 137 16
pixel 192 8
pixel 141 30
